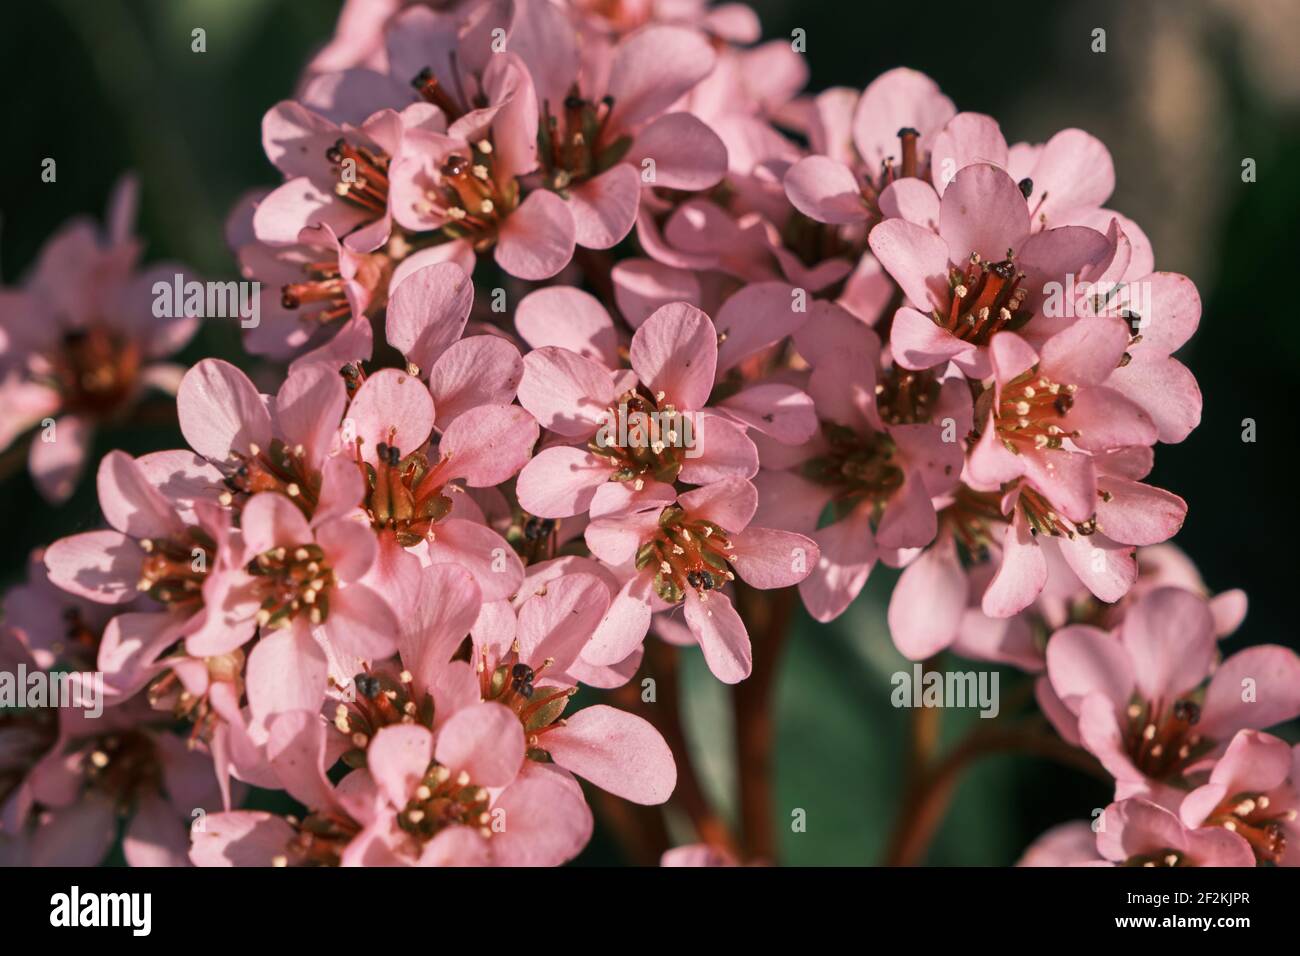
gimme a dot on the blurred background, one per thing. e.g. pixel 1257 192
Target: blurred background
pixel 1185 91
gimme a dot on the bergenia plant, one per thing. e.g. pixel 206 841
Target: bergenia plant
pixel 592 360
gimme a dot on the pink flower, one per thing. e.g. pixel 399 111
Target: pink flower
pixel 254 443
pixel 312 291
pixel 119 764
pixel 1132 698
pixel 1136 832
pixel 1076 446
pixel 336 174
pixel 866 148
pixel 879 478
pixel 979 273
pixel 413 497
pixel 155 548
pixel 672 431
pixel 1252 792
pixel 607 127
pixel 80 342
pixel 682 549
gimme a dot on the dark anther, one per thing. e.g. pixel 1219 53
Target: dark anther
pixel 288 299
pixel 522 672
pixel 1188 711
pixel 1026 187
pixel 525 690
pixel 421 78
pixel 368 685
pixel 907 131
pixel 455 165
pixel 1063 403
pixel 1006 269
pixel 573 102
pixel 537 528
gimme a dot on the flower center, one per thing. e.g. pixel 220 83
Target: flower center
pixel 510 683
pixel 642 438
pixel 1030 411
pixel 568 145
pixel 443 800
pixel 1161 742
pixel 472 196
pixel 688 553
pixel 910 165
pixel 405 494
pixel 986 298
pixel 860 466
pixel 1252 816
pixel 362 176
pixel 1165 857
pixel 123 766
pixel 95 370
pixel 378 701
pixel 277 468
pixel 292 580
pixel 905 397
pixel 174 570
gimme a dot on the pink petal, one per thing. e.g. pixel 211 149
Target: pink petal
pixel 480 370
pixel 604 208
pixel 484 553
pixel 560 482
pixel 537 239
pixel 926 607
pixel 1021 575
pixel 131 503
pixel 766 558
pixel 220 411
pixel 566 392
pixel 101 566
pixel 240 838
pixel 286 672
pixel 1270 673
pixel 1107 569
pixel 488 444
pixel 825 190
pixel 982 211
pixel 968 138
pixel 721 634
pixel 848 553
pixel 676 352
pixel 687 154
pixel 56 465
pixel 1133 513
pixel 917 259
pixel 1083 660
pixel 398 758
pixel 651 69
pixel 642 286
pixel 624 626
pixel 570 319
pixel 308 409
pixel 485 740
pixel 1165 390
pixel 617 751
pixel 392 408
pixel 427 312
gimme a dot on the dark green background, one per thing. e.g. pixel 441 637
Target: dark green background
pixel 105 86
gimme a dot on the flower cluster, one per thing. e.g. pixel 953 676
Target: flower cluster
pixel 589 322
